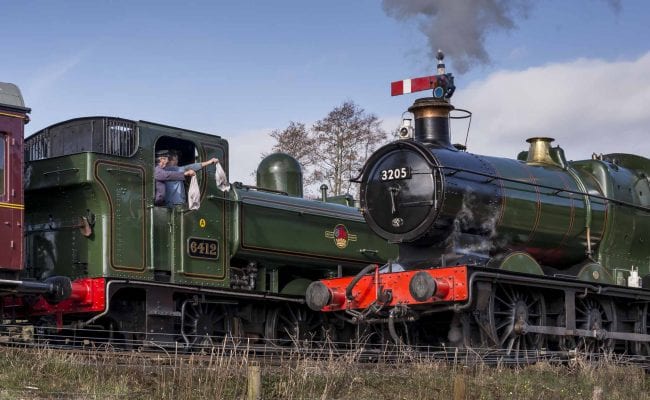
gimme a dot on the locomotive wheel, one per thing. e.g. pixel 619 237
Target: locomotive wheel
pixel 509 310
pixel 380 335
pixel 205 324
pixel 288 325
pixel 642 325
pixel 45 331
pixel 591 314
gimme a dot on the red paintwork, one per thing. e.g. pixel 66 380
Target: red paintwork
pixel 88 295
pixel 12 125
pixel 417 84
pixel 452 287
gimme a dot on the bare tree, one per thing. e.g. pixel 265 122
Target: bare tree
pixel 344 139
pixel 296 141
pixel 334 149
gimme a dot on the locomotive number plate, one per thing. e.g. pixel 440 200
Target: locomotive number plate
pixel 394 174
pixel 203 248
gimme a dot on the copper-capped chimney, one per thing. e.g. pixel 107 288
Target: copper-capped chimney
pixel 432 121
pixel 432 113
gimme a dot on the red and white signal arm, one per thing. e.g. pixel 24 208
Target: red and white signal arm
pixel 439 83
pixel 413 85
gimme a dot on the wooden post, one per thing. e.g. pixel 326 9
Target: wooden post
pixel 459 387
pixel 598 393
pixel 254 381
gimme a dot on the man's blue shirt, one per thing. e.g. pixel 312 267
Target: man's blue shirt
pixel 175 190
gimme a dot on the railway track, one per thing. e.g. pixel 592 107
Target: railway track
pixel 94 344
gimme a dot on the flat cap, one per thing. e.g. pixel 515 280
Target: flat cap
pixel 162 153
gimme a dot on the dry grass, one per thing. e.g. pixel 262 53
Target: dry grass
pixel 104 374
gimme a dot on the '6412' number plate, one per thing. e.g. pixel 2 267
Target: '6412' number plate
pixel 202 248
pixel 395 173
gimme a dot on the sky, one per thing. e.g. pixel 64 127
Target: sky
pixel 577 71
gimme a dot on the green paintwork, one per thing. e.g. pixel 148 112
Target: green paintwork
pixel 594 272
pixel 618 232
pixel 548 225
pixel 280 172
pixel 125 186
pixel 519 261
pixel 59 191
pixel 625 243
pixel 555 227
pixel 286 236
pixel 296 287
pixel 282 228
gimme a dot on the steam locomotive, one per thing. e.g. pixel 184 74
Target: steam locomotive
pixel 521 255
pixel 100 255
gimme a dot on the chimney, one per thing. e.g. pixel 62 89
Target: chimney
pixel 432 121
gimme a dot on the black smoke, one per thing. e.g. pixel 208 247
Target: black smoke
pixel 460 27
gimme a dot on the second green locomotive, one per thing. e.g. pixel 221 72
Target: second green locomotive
pixel 524 255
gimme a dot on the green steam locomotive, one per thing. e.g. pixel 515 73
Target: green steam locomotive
pixel 238 265
pixel 522 255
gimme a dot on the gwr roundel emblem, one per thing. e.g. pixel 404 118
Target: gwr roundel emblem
pixel 341 236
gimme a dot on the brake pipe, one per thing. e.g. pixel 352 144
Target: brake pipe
pixel 357 278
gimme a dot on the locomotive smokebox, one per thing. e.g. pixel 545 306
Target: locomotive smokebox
pixel 432 121
pixel 280 172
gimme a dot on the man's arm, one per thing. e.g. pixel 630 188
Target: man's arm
pixel 198 166
pixel 164 175
pixel 210 161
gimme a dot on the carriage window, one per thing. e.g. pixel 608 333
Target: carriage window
pixel 3 160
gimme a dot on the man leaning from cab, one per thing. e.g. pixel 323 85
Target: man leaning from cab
pixel 161 175
pixel 175 190
pixel 170 178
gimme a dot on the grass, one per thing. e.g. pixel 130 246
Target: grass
pixel 37 373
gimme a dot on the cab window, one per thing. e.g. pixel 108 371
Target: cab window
pixel 186 153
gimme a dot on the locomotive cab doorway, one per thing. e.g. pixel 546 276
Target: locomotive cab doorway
pixel 187 244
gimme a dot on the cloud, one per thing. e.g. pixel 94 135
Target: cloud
pixel 246 153
pixel 587 105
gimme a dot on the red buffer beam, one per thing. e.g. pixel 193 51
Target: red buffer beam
pixel 390 289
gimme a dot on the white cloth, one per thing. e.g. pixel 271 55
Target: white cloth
pixel 222 179
pixel 194 195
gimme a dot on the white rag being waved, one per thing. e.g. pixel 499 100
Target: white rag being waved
pixel 222 179
pixel 194 193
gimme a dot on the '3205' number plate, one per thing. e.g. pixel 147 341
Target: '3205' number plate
pixel 392 174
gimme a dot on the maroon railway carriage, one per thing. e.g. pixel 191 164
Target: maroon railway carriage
pixel 13 117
